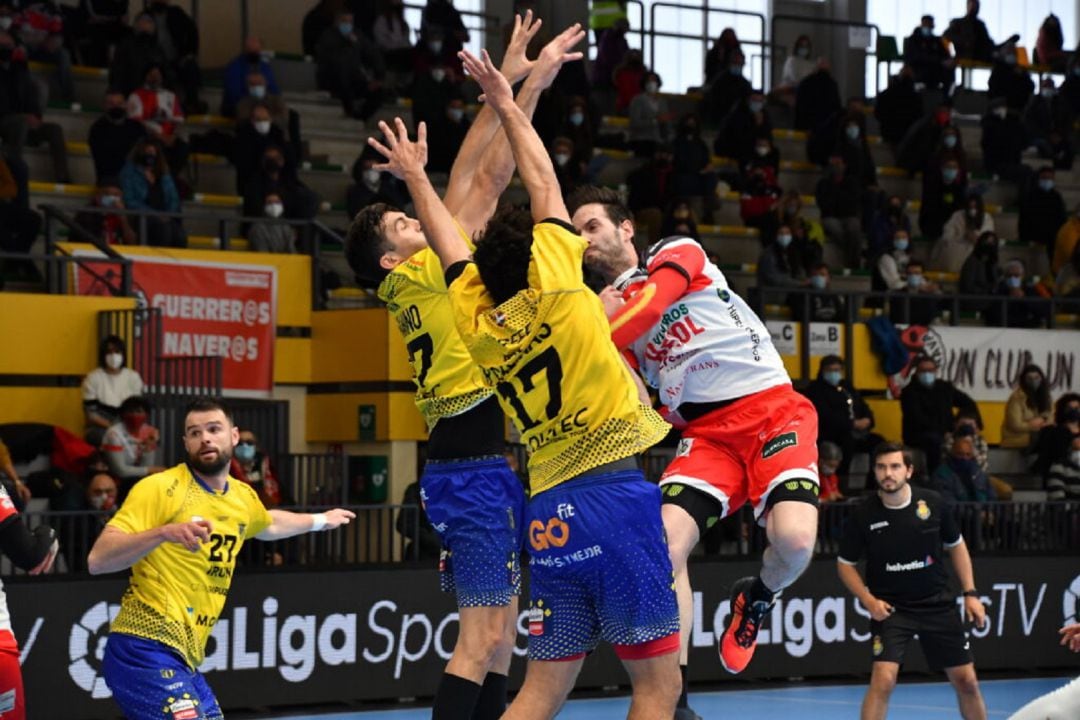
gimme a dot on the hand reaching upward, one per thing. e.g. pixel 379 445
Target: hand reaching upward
pixel 516 64
pixel 556 54
pixel 402 155
pixel 497 90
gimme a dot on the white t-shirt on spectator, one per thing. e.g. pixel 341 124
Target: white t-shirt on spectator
pixel 110 390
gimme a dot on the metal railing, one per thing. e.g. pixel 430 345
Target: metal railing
pixel 870 50
pixel 706 36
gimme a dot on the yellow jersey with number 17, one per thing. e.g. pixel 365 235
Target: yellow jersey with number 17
pixel 548 353
pixel 175 595
pixel 447 380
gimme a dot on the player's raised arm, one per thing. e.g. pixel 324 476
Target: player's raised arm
pixel 473 165
pixel 497 165
pixel 284 524
pixel 405 159
pixel 532 158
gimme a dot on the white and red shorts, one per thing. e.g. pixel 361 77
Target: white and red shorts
pixel 741 452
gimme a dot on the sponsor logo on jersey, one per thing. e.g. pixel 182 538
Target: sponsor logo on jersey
pixel 922 510
pixel 879 525
pixel 183 709
pixel 779 443
pixel 909 566
pixel 879 646
pixel 685 445
pixel 537 614
pixel 553 533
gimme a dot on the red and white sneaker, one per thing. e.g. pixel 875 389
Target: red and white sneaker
pixel 739 638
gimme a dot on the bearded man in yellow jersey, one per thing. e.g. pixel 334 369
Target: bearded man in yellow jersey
pixel 599 564
pixel 470 495
pixel 180 531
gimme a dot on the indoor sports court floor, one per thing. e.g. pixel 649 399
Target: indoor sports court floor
pixel 911 701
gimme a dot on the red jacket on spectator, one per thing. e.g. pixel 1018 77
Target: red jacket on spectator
pixel 156 107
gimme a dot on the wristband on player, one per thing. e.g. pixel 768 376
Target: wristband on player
pixel 971 593
pixel 318 522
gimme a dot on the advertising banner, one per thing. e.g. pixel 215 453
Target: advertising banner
pixel 208 309
pixel 986 363
pixel 294 638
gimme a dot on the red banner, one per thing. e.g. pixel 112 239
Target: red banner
pixel 208 309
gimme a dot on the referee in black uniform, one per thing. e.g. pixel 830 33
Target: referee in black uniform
pixel 904 532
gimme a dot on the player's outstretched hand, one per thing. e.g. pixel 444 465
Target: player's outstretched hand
pixel 1070 636
pixel 516 64
pixel 402 155
pixel 557 53
pixel 497 90
pixel 46 565
pixel 974 611
pixel 337 517
pixel 190 534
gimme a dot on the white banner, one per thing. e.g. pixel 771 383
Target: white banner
pixel 985 363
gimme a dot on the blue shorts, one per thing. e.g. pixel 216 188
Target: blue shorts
pixel 476 506
pixel 150 681
pixel 599 569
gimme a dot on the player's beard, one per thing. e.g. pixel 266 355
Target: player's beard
pixel 204 467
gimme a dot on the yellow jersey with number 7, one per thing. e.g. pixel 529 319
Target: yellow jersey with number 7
pixel 175 595
pixel 547 351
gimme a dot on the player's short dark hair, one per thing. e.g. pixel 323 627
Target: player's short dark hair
pixel 888 448
pixel 134 404
pixel 365 244
pixel 611 200
pixel 503 253
pixel 208 404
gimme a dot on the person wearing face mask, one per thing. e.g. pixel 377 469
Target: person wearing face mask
pixel 113 135
pixel 276 174
pixel 350 67
pixel 798 66
pixel 1009 81
pixel 649 117
pixel 829 458
pixel 844 418
pixel 1054 441
pixel 757 203
pixel 918 301
pixel 1025 307
pixel 898 107
pixel 258 92
pixel 960 479
pixel 852 145
pixel 446 133
pixel 888 219
pixel 726 91
pixel 825 305
pixel 778 267
pixel 269 236
pixel 251 464
pixel 679 220
pixel 393 37
pixel 569 173
pixel 1003 141
pixel 738 134
pixel 891 267
pixel 721 55
pixel 148 185
pixel 370 186
pixel 236 80
pixel 252 139
pixel 1028 410
pixel 107 386
pixel 839 198
pixel 130 445
pixel 158 109
pixel 135 54
pixel 944 191
pixel 1063 482
pixel 431 93
pixel 959 235
pixel 577 125
pixel 970 427
pixel 1047 113
pixel 926 406
pixel 113 228
pixel 1042 212
pixel 929 57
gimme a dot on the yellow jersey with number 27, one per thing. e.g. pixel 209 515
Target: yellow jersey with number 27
pixel 175 595
pixel 548 353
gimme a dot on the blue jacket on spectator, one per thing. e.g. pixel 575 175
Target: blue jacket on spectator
pixel 137 190
pixel 234 82
pixel 962 481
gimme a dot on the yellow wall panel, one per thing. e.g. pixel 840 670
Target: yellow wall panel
pixel 406 422
pixel 333 417
pixel 292 360
pixel 52 405
pixel 51 334
pixel 349 345
pixel 866 366
pixel 888 419
pixel 993 415
pixel 397 356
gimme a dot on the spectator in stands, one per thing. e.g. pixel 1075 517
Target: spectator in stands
pixel 765 157
pixel 824 305
pixel 394 37
pixel 178 37
pixel 106 387
pixel 1053 442
pixel 829 458
pixel 928 57
pixel 959 478
pixel 839 199
pixel 844 418
pixel 721 55
pixel 316 21
pixel 148 186
pixel 288 120
pixel 446 133
pixel 431 94
pixel 727 91
pixel 746 122
pixel 980 274
pixel 918 302
pixel 350 68
pixel 778 267
pixel 252 139
pixel 19 225
pixel 649 117
pixel 968 426
pixel 277 174
pixel 136 54
pixel 797 67
pixel 758 200
pixel 578 127
pixel 890 268
pixel 650 191
pixel 425 543
pixel 1003 140
pixel 922 138
pixel 926 406
pixel 443 16
pixel 950 147
pixel 898 107
pixel 101 495
pixel 969 36
pixel 944 193
pixel 808 234
pixel 1050 45
pixel 693 165
pixel 817 98
pixel 21 110
pixel 113 228
pixel 158 109
pixel 130 446
pixel 40 29
pixel 1068 238
pixel 1047 113
pixel 959 235
pixel 272 237
pixel 1042 212
pixel 679 220
pixel 1009 81
pixel 371 186
pixel 630 78
pixel 113 135
pixel 102 26
pixel 568 172
pixel 251 464
pixel 610 54
pixel 852 145
pixel 1067 282
pixel 889 218
pixel 1030 313
pixel 1028 409
pixel 1063 482
pixel 236 82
